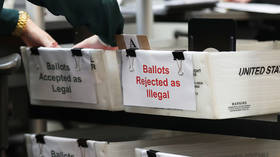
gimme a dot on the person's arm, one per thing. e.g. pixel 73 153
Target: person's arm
pixel 8 21
pixel 266 1
pixel 33 35
pixel 101 17
pixel 13 22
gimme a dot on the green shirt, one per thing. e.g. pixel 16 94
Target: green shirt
pixel 101 17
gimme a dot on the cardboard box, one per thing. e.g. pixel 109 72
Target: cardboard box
pixel 229 148
pixel 59 77
pixel 101 141
pixel 227 84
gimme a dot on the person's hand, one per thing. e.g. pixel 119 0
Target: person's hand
pixel 94 42
pixel 239 1
pixel 33 36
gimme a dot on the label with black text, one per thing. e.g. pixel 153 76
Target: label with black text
pixel 56 75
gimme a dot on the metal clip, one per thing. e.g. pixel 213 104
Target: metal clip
pixel 131 64
pixel 40 150
pixel 131 54
pixel 77 54
pixel 35 53
pixel 179 58
pixel 77 63
pixel 82 143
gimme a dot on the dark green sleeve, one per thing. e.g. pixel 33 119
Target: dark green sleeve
pixel 8 21
pixel 101 17
pixel 266 1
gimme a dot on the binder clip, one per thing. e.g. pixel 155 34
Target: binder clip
pixel 131 54
pixel 82 143
pixel 152 153
pixel 41 141
pixel 178 56
pixel 77 52
pixel 35 52
pixel 212 33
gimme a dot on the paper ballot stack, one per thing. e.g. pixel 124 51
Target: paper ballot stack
pixel 226 148
pixel 212 85
pixel 81 78
pixel 105 141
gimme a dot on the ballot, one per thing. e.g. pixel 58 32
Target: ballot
pixel 208 85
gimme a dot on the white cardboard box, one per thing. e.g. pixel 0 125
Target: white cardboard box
pixel 103 141
pixel 223 88
pixel 97 71
pixel 227 148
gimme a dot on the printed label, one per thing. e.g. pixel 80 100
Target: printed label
pixel 131 41
pixel 153 79
pixel 57 75
pixel 261 70
pixel 61 147
pixel 60 154
pixel 239 106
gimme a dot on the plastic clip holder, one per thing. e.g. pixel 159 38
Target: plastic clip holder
pixel 34 51
pixel 152 153
pixel 178 56
pixel 131 54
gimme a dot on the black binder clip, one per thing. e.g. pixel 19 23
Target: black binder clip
pixel 178 55
pixel 34 51
pixel 40 139
pixel 212 33
pixel 82 142
pixel 131 52
pixel 77 52
pixel 152 153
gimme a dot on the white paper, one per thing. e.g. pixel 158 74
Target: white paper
pixel 61 147
pixel 56 75
pixel 161 6
pixel 131 41
pixel 155 81
pixel 160 154
pixel 251 7
pixel 188 2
